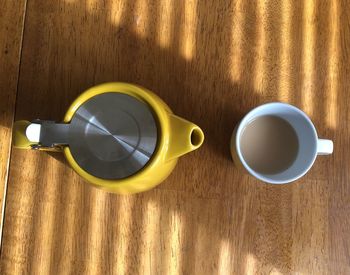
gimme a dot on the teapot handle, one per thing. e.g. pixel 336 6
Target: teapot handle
pixel 27 135
pixel 19 137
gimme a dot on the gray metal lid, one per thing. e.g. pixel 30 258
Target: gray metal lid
pixel 112 135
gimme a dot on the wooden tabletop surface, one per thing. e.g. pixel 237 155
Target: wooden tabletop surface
pixel 211 61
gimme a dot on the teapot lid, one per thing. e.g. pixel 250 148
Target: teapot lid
pixel 112 135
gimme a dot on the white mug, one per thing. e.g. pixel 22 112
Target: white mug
pixel 309 144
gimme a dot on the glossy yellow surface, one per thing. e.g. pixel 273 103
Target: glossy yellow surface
pixel 176 137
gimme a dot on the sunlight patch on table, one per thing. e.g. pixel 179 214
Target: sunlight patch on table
pixel 22 214
pixel 176 232
pixel 308 57
pixel 92 5
pixel 3 127
pixel 117 11
pixel 45 233
pixel 124 235
pixel 70 215
pixel 165 23
pixel 150 232
pixel 274 271
pixel 5 149
pixel 333 63
pixel 95 231
pixel 250 265
pixel 141 17
pixel 188 38
pixel 261 55
pixel 285 54
pixel 200 252
pixel 225 258
pixel 236 40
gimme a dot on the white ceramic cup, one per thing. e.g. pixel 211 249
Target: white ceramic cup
pixel 309 144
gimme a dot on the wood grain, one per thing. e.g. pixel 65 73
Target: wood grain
pixel 11 30
pixel 211 61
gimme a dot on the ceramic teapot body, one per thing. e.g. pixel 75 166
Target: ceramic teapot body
pixel 175 137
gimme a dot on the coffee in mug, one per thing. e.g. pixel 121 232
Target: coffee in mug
pixel 269 144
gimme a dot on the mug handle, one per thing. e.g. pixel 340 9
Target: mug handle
pixel 324 147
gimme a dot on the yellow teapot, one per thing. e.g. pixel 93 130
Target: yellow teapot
pixel 118 136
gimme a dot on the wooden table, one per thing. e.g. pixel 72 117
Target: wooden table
pixel 211 61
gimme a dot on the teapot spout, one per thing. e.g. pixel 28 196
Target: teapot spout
pixel 184 137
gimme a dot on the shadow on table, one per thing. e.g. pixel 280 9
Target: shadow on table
pixel 211 70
